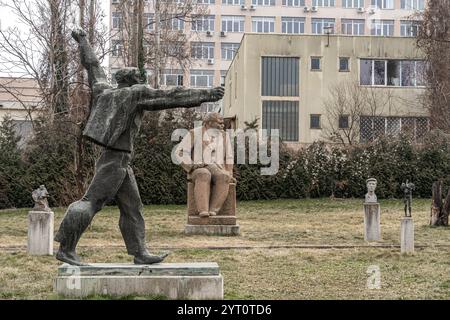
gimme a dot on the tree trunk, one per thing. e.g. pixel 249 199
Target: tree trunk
pixel 439 210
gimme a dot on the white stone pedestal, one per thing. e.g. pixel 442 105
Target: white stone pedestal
pixel 171 280
pixel 372 229
pixel 407 235
pixel 40 233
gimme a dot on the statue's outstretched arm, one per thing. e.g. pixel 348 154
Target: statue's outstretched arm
pixel 89 60
pixel 151 99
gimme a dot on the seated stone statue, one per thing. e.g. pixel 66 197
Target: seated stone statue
pixel 207 156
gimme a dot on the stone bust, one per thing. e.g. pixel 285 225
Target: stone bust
pixel 371 197
pixel 40 196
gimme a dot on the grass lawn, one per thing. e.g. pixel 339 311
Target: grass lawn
pixel 296 268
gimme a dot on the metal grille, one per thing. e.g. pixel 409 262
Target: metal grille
pixel 372 128
pixel 280 76
pixel 282 115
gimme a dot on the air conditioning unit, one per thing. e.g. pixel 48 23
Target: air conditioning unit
pixel 313 9
pixel 115 1
pixel 361 10
pixel 252 7
pixel 209 33
pixel 210 61
pixel 372 10
pixel 223 34
pixel 243 7
pixel 305 9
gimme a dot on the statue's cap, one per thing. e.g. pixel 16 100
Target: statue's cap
pixel 371 179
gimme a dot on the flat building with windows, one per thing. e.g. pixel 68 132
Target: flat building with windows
pixel 215 38
pixel 284 81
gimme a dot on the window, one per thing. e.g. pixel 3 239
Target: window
pixel 353 27
pixel 412 4
pixel 314 122
pixel 382 28
pixel 117 20
pixel 292 25
pixel 343 121
pixel 263 2
pixel 352 3
pixel 319 24
pixel 404 73
pixel 315 63
pixel 280 76
pixel 203 23
pixel 323 3
pixel 117 48
pixel 383 4
pixel 206 1
pixel 293 3
pixel 229 50
pixel 223 75
pixel 263 24
pixel 282 115
pixel 202 50
pixel 372 128
pixel 202 78
pixel 149 21
pixel 171 22
pixel 172 78
pixel 233 23
pixel 344 64
pixel 409 28
pixel 233 2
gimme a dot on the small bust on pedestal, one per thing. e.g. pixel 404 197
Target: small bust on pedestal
pixel 40 196
pixel 371 197
pixel 372 218
pixel 40 224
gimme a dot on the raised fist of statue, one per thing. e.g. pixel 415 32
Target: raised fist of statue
pixel 217 93
pixel 78 34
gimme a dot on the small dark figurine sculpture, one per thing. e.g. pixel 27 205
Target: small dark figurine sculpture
pixel 40 196
pixel 407 188
pixel 113 123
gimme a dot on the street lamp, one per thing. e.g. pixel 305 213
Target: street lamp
pixel 328 31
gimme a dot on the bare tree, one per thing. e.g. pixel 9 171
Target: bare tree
pixel 347 103
pixel 153 34
pixel 439 209
pixel 434 40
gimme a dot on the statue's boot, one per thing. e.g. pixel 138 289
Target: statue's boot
pixel 146 258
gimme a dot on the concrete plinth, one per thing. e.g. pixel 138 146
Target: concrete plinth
pixel 372 229
pixel 407 235
pixel 40 233
pixel 171 280
pixel 213 230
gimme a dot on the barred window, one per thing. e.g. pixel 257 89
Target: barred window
pixel 372 128
pixel 280 76
pixel 282 115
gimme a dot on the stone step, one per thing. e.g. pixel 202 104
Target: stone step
pixel 133 270
pixel 214 220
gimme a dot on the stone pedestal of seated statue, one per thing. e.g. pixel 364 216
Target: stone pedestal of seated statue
pixel 224 223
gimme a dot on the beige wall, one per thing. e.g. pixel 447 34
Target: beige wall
pixel 14 92
pixel 243 83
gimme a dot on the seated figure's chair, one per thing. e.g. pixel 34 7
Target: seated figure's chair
pixel 222 224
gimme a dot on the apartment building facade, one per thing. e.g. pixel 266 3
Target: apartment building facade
pixel 218 34
pixel 284 80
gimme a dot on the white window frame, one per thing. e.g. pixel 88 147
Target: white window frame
pixel 418 5
pixel 233 2
pixel 353 4
pixel 360 24
pixel 206 50
pixel 172 73
pixel 203 23
pixel 228 50
pixel 263 3
pixel 195 74
pixel 293 3
pixel 379 25
pixel 383 4
pixel 264 22
pixel 117 20
pixel 323 3
pixel 321 23
pixel 238 21
pixel 407 28
pixel 293 22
